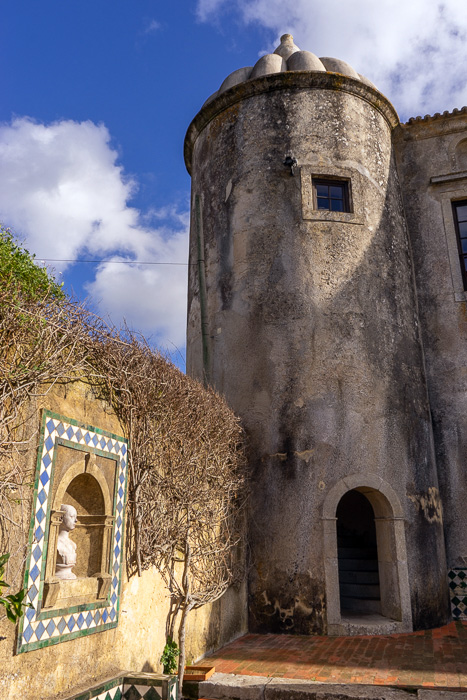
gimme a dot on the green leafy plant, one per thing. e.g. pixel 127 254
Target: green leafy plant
pixel 14 602
pixel 33 283
pixel 169 656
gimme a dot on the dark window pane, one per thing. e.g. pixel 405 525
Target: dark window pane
pixel 463 229
pixel 462 213
pixel 337 205
pixel 465 264
pixel 322 190
pixel 337 191
pixel 464 245
pixel 331 195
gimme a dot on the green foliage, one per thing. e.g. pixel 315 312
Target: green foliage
pixel 14 602
pixel 169 656
pixel 32 283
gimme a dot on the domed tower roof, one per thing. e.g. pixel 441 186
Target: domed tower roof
pixel 288 57
pixel 288 68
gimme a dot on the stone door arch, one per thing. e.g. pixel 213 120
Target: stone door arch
pixel 392 558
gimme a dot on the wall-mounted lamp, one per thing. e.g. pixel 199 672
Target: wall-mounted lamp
pixel 290 162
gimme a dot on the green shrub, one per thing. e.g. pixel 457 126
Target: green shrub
pixel 31 282
pixel 169 657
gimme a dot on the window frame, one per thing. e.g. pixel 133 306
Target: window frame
pixel 330 182
pixel 338 173
pixel 446 190
pixel 456 204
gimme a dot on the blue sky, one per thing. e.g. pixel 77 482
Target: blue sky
pixel 97 96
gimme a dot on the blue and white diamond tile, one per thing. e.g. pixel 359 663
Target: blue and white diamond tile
pixel 34 573
pixel 54 634
pixel 33 630
pixel 40 515
pixel 32 593
pixel 61 625
pixel 38 533
pixel 40 629
pixel 27 633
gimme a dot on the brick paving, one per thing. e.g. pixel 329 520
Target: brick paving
pixel 430 659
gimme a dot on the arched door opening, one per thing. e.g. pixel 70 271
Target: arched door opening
pixel 365 558
pixel 357 555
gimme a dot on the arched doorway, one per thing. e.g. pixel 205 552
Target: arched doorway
pixel 365 511
pixel 357 553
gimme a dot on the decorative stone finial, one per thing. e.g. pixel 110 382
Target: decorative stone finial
pixel 287 46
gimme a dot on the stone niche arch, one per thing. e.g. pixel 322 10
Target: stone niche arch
pixel 457 150
pixel 84 487
pixel 396 614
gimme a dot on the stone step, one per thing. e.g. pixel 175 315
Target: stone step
pixel 223 686
pixel 362 576
pixel 357 553
pixel 363 605
pixel 358 565
pixel 357 590
pixel 354 542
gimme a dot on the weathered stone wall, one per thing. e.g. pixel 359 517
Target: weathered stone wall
pixel 136 643
pixel 312 330
pixel 432 164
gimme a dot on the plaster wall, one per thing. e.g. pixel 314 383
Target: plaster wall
pixel 136 643
pixel 311 330
pixel 432 164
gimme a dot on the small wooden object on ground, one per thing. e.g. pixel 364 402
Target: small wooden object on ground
pixel 198 673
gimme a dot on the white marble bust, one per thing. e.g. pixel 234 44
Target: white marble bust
pixel 66 548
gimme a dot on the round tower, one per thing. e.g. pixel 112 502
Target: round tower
pixel 302 312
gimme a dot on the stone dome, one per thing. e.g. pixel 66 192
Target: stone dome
pixel 288 57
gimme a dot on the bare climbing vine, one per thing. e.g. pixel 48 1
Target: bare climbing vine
pixel 188 482
pixel 42 343
pixel 187 488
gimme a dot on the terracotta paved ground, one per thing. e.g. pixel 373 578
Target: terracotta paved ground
pixel 433 659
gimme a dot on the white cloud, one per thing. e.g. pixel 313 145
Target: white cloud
pixel 152 26
pixel 62 189
pixel 207 8
pixel 151 298
pixel 415 52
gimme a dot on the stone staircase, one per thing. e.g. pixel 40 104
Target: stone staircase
pixel 358 577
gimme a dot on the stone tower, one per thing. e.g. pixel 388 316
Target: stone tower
pixel 302 312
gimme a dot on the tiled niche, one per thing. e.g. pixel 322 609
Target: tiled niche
pixel 85 467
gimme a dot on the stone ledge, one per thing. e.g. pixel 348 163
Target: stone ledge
pixel 226 686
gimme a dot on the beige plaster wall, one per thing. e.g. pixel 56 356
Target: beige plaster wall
pixel 136 643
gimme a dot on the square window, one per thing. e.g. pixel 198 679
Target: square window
pixel 331 195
